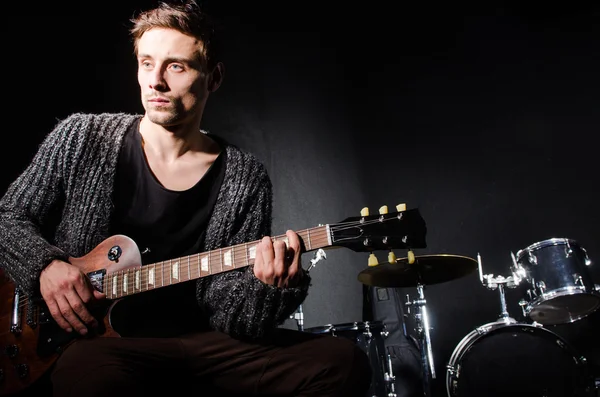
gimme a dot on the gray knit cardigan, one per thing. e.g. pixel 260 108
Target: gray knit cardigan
pixel 61 206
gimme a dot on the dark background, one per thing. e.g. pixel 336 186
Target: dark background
pixel 482 117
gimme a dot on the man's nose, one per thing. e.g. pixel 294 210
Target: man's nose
pixel 157 81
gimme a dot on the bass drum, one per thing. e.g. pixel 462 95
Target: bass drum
pixel 369 337
pixel 504 359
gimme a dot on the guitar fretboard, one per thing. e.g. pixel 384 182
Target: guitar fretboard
pixel 161 274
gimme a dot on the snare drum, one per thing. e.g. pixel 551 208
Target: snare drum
pixel 369 337
pixel 560 288
pixel 500 359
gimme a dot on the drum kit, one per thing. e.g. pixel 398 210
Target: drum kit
pixel 505 357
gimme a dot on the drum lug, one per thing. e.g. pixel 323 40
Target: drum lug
pixel 541 286
pixel 577 279
pixel 367 331
pixel 451 369
pixel 532 258
pixel 523 303
pixel 568 250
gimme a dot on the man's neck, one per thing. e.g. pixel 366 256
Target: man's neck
pixel 170 145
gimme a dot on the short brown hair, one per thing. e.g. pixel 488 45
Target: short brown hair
pixel 185 16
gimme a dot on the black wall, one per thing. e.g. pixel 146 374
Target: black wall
pixel 483 118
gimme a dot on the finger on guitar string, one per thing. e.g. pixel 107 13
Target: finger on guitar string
pixel 294 269
pixel 280 263
pixel 263 262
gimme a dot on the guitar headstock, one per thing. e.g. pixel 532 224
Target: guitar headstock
pixel 402 229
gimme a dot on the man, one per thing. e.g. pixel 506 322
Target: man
pixel 175 190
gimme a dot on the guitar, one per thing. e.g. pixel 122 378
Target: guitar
pixel 31 341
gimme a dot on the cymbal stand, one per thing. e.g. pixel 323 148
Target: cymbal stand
pixel 299 313
pixel 499 282
pixel 422 328
pixel 390 378
pixel 299 317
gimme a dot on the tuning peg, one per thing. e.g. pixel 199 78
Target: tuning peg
pixel 401 207
pixel 411 257
pixel 392 257
pixel 364 211
pixel 383 210
pixel 373 260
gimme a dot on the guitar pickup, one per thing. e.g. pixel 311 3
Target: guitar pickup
pixel 15 321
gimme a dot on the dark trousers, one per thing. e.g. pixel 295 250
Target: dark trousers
pixel 292 363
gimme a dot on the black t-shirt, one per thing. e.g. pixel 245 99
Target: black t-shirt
pixel 165 224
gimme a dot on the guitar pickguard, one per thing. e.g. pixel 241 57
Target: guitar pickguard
pixel 52 339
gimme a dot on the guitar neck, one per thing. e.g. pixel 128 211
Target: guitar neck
pixel 173 271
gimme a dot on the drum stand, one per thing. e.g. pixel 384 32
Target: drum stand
pixel 499 282
pixel 422 328
pixel 299 317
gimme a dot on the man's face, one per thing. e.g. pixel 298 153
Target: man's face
pixel 172 81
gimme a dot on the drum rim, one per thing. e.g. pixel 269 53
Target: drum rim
pixel 546 243
pixel 474 335
pixel 560 292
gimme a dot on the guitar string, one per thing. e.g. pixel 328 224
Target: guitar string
pixel 319 236
pixel 215 261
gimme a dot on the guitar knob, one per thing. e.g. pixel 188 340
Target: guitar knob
pixel 364 211
pixel 401 207
pixel 11 350
pixel 22 370
pixel 383 210
pixel 392 257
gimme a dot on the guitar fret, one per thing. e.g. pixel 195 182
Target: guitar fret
pixel 214 261
pixel 107 287
pixel 137 280
pixel 252 252
pixel 175 271
pixel 125 278
pixel 227 258
pixel 151 276
pixel 219 261
pixel 115 285
pixel 189 271
pixel 203 265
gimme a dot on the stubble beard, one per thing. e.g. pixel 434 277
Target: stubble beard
pixel 164 117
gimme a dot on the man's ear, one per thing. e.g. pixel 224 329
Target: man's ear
pixel 216 77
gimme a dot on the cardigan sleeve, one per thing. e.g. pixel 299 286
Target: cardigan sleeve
pixel 28 208
pixel 237 302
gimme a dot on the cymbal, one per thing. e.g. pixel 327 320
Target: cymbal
pixel 426 270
